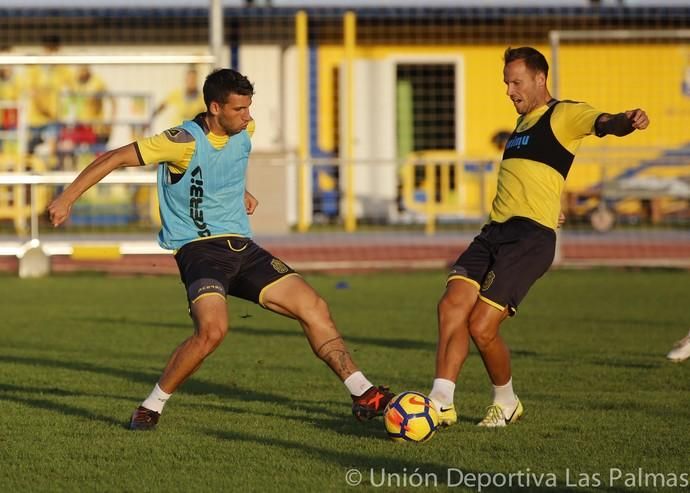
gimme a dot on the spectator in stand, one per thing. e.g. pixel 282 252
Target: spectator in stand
pixel 186 102
pixel 44 85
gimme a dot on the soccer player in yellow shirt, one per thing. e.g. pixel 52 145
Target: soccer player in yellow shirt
pixel 89 96
pixel 517 246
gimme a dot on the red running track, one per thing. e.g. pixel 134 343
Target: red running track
pixel 362 257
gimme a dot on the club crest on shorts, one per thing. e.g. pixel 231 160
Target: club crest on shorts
pixel 488 280
pixel 279 266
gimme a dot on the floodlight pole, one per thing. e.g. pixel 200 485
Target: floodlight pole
pixel 554 41
pixel 215 21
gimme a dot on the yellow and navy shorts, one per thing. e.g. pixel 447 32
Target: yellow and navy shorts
pixel 228 266
pixel 505 260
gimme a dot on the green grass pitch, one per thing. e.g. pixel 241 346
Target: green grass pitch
pixel 605 411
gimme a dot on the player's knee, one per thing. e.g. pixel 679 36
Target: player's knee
pixel 446 305
pixel 211 334
pixel 314 310
pixel 321 307
pixel 454 305
pixel 482 334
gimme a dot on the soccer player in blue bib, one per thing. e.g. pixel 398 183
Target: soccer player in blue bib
pixel 204 208
pixel 517 246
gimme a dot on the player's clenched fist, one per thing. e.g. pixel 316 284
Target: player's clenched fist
pixel 59 210
pixel 638 118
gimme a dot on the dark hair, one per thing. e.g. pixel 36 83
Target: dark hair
pixel 222 82
pixel 534 60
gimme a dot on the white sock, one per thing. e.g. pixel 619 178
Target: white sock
pixel 156 400
pixel 505 397
pixel 357 383
pixel 442 393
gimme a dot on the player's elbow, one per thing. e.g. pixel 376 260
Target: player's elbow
pixel 123 157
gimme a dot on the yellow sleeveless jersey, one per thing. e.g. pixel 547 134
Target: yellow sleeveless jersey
pixel 175 146
pixel 536 161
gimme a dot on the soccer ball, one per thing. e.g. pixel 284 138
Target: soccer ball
pixel 410 416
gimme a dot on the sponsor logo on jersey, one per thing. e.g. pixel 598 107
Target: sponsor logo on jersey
pixel 196 200
pixel 518 141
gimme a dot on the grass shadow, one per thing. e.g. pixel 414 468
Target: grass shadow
pixel 193 387
pixel 375 471
pixel 7 391
pixel 388 343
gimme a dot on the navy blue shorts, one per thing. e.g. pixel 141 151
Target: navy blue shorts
pixel 229 265
pixel 505 260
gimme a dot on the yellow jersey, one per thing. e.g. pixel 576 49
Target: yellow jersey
pixel 175 146
pixel 536 161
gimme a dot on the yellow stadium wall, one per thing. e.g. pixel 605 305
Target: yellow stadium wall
pixel 610 77
pixel 620 77
pixel 484 107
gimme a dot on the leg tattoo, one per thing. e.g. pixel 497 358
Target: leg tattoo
pixel 334 353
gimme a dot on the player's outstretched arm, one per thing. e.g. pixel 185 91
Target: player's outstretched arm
pixel 621 124
pixel 59 208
